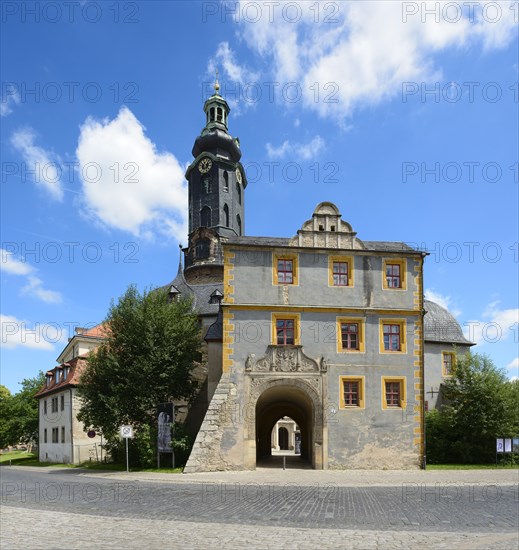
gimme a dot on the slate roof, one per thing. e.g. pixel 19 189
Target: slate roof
pixel 377 246
pixel 200 294
pixel 441 326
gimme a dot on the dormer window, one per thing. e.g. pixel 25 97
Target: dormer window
pixel 56 376
pixel 216 297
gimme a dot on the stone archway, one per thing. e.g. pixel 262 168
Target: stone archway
pixel 274 397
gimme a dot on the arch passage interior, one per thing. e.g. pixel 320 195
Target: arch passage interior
pixel 275 403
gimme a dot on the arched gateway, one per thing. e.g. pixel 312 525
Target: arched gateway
pixel 286 383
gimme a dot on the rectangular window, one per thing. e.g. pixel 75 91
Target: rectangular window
pixel 392 338
pixel 393 279
pixel 448 362
pixel 45 435
pixel 394 274
pixel 56 376
pixel 285 272
pixel 55 435
pixel 352 392
pixel 285 268
pixel 350 336
pixel 54 404
pixel 340 274
pixel 285 332
pixel 340 271
pixel 393 392
pixel 45 406
pixel 63 434
pixel 62 402
pixel 285 329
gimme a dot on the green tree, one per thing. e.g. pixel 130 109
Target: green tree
pixel 19 413
pixel 148 357
pixel 480 404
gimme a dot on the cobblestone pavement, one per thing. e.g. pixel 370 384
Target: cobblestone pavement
pixel 262 509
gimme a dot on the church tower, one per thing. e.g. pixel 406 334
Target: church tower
pixel 216 182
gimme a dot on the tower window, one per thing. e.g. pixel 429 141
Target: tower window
pixel 238 192
pixel 226 181
pixel 219 114
pixel 238 221
pixel 332 228
pixel 321 228
pixel 205 217
pixel 226 215
pixel 202 249
pixel 212 114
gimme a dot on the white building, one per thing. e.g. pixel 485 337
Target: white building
pixel 61 436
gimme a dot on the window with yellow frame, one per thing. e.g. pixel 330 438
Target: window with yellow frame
pixel 394 276
pixel 350 335
pixel 285 269
pixel 340 271
pixel 393 392
pixel 286 329
pixel 393 336
pixel 352 392
pixel 448 362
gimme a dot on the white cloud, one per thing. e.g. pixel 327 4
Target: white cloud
pixel 514 364
pixel 367 49
pixel 34 287
pixel 297 151
pixel 495 326
pixel 8 101
pixel 9 264
pixel 127 183
pixel 45 164
pixel 442 300
pixel 18 333
pixel 239 85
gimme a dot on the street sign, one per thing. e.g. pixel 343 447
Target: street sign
pixel 126 431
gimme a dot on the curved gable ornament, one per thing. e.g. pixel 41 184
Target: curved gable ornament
pixel 284 359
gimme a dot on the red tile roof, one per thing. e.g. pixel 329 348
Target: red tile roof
pixel 76 367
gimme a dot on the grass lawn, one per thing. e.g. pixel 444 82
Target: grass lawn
pixel 471 466
pixel 23 458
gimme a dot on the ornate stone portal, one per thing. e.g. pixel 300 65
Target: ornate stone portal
pixel 284 359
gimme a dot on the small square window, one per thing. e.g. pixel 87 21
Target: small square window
pixel 394 274
pixel 285 272
pixel 340 271
pixel 352 392
pixel 350 335
pixel 340 274
pixel 393 392
pixel 392 338
pixel 285 332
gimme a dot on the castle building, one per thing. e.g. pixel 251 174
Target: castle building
pixel 322 328
pixel 322 337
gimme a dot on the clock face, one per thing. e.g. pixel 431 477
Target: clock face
pixel 204 165
pixel 238 176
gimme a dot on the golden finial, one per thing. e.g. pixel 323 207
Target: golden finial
pixel 216 84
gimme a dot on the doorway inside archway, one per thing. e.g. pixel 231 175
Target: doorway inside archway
pixel 284 428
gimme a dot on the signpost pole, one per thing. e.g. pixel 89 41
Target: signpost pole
pixel 127 460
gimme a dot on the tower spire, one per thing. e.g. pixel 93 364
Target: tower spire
pixel 216 84
pixel 179 259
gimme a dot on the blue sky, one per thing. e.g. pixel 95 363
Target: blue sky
pixel 407 120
